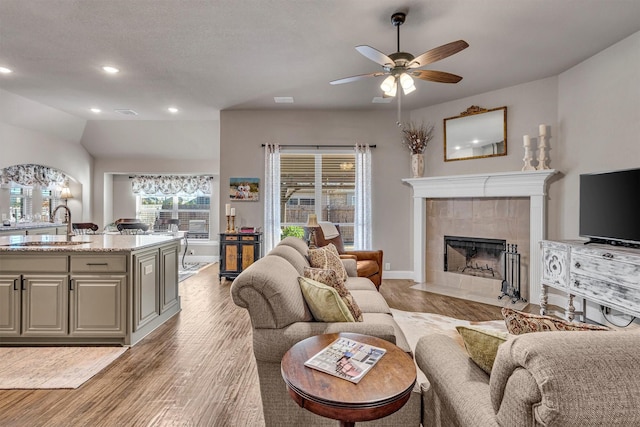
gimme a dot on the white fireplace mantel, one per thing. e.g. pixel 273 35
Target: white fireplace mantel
pixel 532 184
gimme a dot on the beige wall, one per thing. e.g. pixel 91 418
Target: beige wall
pixel 243 132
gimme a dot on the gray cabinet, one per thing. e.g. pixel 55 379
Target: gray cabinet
pixel 146 290
pixel 98 305
pixel 45 305
pixel 10 292
pixel 169 278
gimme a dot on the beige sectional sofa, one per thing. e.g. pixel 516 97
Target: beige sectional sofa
pixel 563 379
pixel 269 290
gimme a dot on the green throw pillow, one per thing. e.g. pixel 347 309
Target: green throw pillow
pixel 482 345
pixel 325 303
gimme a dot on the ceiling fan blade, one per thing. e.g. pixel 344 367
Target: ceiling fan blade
pixel 375 55
pixel 435 76
pixel 356 78
pixel 438 53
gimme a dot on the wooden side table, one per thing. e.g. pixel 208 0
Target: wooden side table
pixel 382 391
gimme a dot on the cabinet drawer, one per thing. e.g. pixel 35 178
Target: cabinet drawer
pixel 230 238
pixel 609 294
pixel 33 263
pixel 608 269
pixel 99 264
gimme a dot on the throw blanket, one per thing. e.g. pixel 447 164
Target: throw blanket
pixel 329 230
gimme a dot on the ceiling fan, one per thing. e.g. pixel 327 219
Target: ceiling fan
pixel 402 66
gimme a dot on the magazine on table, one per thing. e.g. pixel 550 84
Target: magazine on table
pixel 347 359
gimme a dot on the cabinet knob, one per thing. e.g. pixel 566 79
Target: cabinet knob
pixel 607 255
pixel 577 265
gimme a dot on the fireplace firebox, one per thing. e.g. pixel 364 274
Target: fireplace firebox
pixel 474 256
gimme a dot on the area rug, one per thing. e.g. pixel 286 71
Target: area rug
pixel 53 367
pixel 416 325
pixel 190 269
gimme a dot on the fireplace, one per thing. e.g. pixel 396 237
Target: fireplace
pixel 474 256
pixel 528 186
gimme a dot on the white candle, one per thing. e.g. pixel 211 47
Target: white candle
pixel 233 211
pixel 527 141
pixel 543 130
pixel 228 209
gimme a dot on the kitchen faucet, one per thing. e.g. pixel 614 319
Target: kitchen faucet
pixel 53 216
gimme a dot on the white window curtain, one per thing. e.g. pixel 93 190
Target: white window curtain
pixel 272 196
pixel 362 220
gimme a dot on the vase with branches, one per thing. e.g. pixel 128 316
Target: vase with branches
pixel 415 138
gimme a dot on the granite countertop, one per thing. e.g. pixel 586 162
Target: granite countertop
pixel 85 243
pixel 28 225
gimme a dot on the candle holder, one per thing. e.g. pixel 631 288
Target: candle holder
pixel 230 224
pixel 528 155
pixel 542 152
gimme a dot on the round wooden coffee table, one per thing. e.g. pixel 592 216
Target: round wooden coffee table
pixel 382 391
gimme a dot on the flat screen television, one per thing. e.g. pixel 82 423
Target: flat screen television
pixel 610 207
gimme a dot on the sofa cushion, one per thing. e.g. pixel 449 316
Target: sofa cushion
pixel 324 301
pixel 327 257
pixel 329 278
pixel 295 258
pixel 359 283
pixel 482 345
pixel 521 323
pixel 296 243
pixel 371 301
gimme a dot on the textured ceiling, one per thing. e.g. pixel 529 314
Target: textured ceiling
pixel 207 56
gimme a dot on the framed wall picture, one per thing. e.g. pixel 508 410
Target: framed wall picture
pixel 244 189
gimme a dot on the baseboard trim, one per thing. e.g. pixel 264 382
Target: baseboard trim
pixel 397 274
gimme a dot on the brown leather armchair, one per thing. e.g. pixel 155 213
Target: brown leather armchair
pixel 368 263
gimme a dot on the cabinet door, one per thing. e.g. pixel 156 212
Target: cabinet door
pixel 146 295
pixel 9 305
pixel 169 277
pixel 249 252
pixel 555 265
pixel 98 305
pixel 45 305
pixel 230 258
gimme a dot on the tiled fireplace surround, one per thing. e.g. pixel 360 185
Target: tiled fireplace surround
pixel 508 205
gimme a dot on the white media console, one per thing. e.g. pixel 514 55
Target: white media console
pixel 607 275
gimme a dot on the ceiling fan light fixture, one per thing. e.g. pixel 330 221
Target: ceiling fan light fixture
pixel 388 84
pixel 407 83
pixel 392 92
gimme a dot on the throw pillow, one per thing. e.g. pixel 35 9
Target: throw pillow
pixel 324 302
pixel 327 257
pixel 482 345
pixel 521 323
pixel 329 278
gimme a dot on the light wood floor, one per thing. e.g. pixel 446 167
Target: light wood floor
pixel 195 370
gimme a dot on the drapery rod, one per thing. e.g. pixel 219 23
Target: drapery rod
pixel 318 146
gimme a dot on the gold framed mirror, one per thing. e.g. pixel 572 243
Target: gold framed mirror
pixel 476 133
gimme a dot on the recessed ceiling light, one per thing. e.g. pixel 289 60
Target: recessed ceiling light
pixel 5 70
pixel 458 147
pixel 96 110
pixel 172 110
pixel 283 99
pixel 110 70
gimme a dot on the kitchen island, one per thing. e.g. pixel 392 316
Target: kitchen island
pixel 91 289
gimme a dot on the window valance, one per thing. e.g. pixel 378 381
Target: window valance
pixel 171 185
pixel 31 174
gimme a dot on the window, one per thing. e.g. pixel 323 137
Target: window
pixel 191 211
pixel 322 183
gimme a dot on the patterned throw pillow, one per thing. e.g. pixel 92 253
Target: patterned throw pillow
pixel 327 257
pixel 329 278
pixel 482 345
pixel 521 323
pixel 324 302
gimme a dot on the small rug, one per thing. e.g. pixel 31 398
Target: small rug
pixel 190 269
pixel 415 325
pixel 53 367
